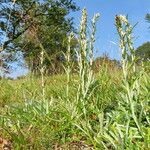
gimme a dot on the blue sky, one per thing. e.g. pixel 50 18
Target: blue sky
pixel 107 39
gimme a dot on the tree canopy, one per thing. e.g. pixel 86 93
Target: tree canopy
pixel 147 17
pixel 143 51
pixel 29 24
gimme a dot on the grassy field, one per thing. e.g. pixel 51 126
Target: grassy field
pixel 59 122
pixel 28 120
pixel 107 110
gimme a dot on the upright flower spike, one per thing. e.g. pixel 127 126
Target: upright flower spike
pixel 130 75
pixel 126 42
pixel 92 37
pixel 83 34
pixel 85 60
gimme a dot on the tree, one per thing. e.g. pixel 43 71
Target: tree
pixel 143 51
pixel 30 25
pixel 147 17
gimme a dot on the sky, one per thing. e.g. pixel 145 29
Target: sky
pixel 106 36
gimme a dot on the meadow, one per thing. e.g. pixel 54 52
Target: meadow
pixel 109 109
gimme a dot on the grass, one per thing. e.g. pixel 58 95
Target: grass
pixel 107 110
pixel 23 109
